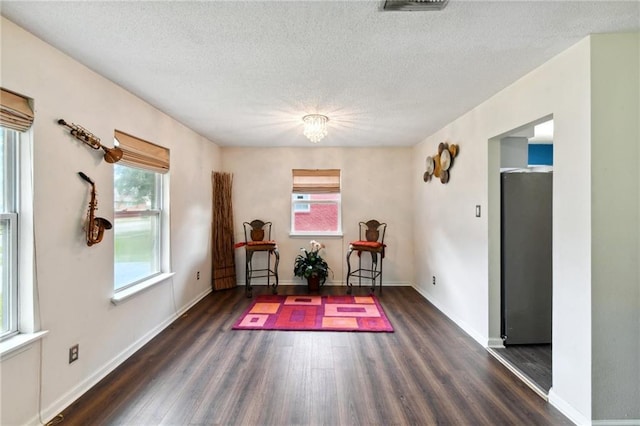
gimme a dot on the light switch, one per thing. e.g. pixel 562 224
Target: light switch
pixel 478 210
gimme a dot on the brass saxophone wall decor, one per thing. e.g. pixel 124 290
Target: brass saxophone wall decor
pixel 111 155
pixel 95 226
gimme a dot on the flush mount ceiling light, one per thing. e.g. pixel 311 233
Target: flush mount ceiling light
pixel 315 127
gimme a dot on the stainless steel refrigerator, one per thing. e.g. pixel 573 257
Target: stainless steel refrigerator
pixel 526 240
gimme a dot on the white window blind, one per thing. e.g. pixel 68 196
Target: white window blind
pixel 314 181
pixel 15 111
pixel 137 152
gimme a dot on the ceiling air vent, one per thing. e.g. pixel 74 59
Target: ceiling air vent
pixel 416 5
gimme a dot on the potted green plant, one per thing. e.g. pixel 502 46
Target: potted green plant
pixel 310 265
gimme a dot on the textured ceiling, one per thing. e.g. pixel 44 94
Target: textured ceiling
pixel 243 73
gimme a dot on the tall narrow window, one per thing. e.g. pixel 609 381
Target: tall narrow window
pixel 315 202
pixel 16 117
pixel 138 207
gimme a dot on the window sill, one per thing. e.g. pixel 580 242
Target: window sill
pixel 316 235
pixel 129 292
pixel 18 343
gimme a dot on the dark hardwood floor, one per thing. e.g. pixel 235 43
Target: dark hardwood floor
pixel 533 361
pixel 200 372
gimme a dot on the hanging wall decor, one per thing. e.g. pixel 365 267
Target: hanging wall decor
pixel 95 226
pixel 111 155
pixel 439 165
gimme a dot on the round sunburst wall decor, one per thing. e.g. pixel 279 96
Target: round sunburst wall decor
pixel 439 165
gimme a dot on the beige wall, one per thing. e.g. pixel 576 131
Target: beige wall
pixel 590 91
pixel 74 282
pixel 615 62
pixel 376 184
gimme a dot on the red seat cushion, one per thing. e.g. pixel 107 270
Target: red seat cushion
pixel 261 245
pixel 366 245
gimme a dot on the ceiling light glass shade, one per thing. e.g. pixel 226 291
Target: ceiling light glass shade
pixel 315 127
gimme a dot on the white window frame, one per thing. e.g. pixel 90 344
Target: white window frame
pixel 162 258
pixel 25 329
pixel 10 301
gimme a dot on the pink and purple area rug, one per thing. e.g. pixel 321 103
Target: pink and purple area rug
pixel 314 313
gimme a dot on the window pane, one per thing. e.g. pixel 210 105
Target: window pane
pixel 135 189
pixel 8 232
pixel 7 297
pixel 3 169
pixel 137 197
pixel 321 216
pixel 136 249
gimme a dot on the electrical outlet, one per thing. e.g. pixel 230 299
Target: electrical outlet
pixel 434 280
pixel 74 353
pixel 198 275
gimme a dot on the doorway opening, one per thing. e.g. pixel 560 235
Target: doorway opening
pixel 520 264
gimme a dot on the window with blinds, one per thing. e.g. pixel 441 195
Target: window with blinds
pixel 137 152
pixel 138 206
pixel 16 117
pixel 316 202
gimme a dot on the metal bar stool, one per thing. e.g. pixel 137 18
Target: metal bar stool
pixel 254 237
pixel 373 243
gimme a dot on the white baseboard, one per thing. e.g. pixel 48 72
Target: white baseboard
pixel 68 398
pixel 365 283
pixel 198 298
pixel 495 343
pixel 625 422
pixel 567 409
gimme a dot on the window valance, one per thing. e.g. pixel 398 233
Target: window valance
pixel 137 152
pixel 15 111
pixel 308 181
